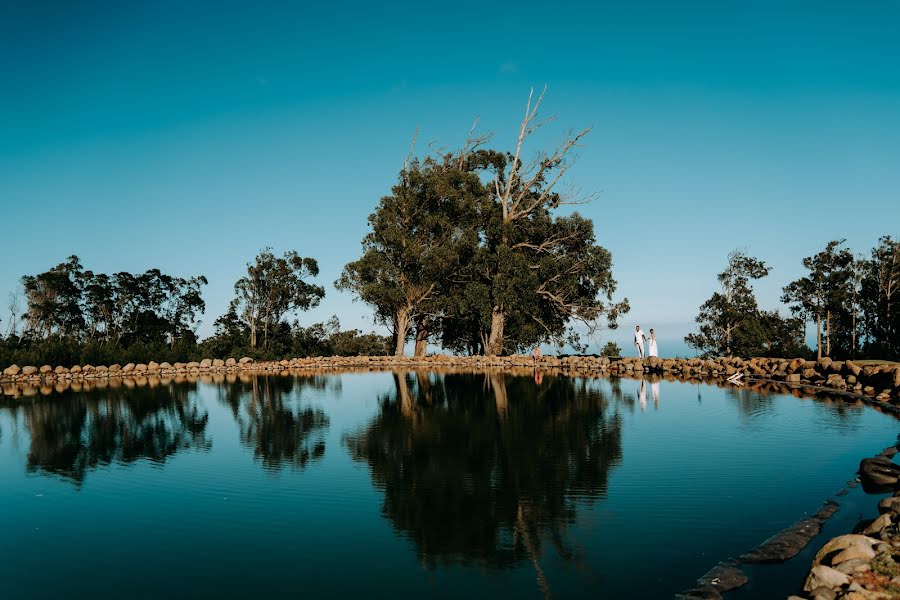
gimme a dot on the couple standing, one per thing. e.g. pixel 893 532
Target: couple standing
pixel 640 338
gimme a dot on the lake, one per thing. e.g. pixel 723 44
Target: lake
pixel 412 484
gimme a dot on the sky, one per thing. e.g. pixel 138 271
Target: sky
pixel 189 135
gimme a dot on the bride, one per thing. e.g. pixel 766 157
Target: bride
pixel 653 350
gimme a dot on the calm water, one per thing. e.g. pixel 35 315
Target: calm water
pixel 414 485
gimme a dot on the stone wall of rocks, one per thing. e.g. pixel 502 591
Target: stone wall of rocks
pixel 880 382
pixel 877 382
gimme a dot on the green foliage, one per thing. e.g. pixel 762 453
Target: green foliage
pixel 731 323
pixel 273 288
pixel 823 296
pixel 611 349
pixel 468 249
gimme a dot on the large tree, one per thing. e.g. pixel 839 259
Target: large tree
pixel 273 287
pixel 420 237
pixel 538 268
pixel 822 295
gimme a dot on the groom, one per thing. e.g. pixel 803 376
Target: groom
pixel 639 339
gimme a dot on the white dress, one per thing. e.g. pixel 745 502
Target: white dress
pixel 653 350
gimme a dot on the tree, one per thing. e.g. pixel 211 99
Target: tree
pixel 823 293
pixel 419 238
pixel 727 312
pixel 54 300
pixel 540 269
pixel 272 288
pixel 880 299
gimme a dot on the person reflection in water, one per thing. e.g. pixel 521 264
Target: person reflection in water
pixel 642 395
pixel 654 389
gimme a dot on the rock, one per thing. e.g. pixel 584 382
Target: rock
pixel 245 360
pixel 822 576
pixel 140 368
pixel 128 368
pixel 11 370
pixel 856 551
pixel 230 362
pixel 889 505
pixel 878 524
pixel 823 593
pixel 836 545
pixel 75 369
pixel 793 378
pixel 46 369
pixel 29 370
pixel 60 370
pixel 115 368
pixel 784 544
pixel 856 565
pixel 878 473
pixel 205 363
pixel 218 362
pixel 723 577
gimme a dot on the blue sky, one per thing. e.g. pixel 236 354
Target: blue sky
pixel 188 135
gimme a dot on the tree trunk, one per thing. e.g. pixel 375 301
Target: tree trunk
pixel 403 397
pixel 495 339
pixel 818 335
pixel 501 399
pixel 422 336
pixel 828 333
pixel 401 328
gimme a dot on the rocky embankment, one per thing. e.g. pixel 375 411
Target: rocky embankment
pixel 879 383
pixel 865 564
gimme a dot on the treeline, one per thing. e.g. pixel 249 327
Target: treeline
pixel 76 316
pixel 853 301
pixel 470 251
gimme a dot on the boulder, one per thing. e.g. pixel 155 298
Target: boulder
pixel 245 360
pixel 60 370
pixel 11 370
pixel 822 576
pixel 888 505
pixel 128 368
pixel 46 369
pixel 878 524
pixel 205 363
pixel 230 361
pixel 879 473
pixel 29 370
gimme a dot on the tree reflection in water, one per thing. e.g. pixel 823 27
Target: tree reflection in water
pixel 75 432
pixel 272 421
pixel 484 469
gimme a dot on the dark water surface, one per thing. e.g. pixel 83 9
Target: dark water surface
pixel 409 485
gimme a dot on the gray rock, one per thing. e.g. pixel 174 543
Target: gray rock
pixel 822 576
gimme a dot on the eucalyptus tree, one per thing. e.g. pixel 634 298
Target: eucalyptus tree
pixel 732 310
pixel 541 269
pixel 880 298
pixel 273 287
pixel 823 292
pixel 420 237
pixel 54 300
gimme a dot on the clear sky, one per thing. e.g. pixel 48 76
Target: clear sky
pixel 188 135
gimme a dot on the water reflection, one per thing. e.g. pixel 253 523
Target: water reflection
pixel 272 420
pixel 486 469
pixel 72 434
